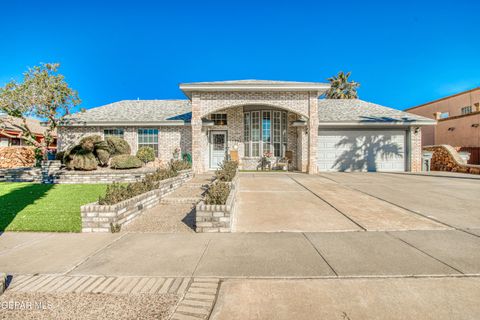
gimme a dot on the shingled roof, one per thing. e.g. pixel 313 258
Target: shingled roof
pixel 177 112
pixel 359 111
pixel 135 111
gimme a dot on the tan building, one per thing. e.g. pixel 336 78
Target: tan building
pixel 458 122
pixel 256 119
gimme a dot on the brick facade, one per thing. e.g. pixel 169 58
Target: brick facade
pixel 415 149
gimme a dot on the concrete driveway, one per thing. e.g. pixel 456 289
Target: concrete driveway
pixel 272 202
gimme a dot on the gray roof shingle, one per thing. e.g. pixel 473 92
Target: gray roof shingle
pixel 355 110
pixel 135 111
pixel 178 111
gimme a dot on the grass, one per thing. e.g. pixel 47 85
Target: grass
pixel 45 207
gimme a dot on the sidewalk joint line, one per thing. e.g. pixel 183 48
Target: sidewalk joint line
pixel 424 252
pixel 331 205
pixel 320 254
pixel 94 253
pixel 201 257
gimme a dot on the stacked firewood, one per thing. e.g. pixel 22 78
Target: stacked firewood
pixel 16 157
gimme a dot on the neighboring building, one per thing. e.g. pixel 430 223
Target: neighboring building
pixel 255 117
pixel 12 130
pixel 458 118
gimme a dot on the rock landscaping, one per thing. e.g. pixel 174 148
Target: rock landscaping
pixel 446 158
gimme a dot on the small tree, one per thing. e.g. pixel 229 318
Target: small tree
pixel 44 94
pixel 341 88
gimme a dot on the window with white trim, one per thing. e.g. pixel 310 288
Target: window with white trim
pixel 467 110
pixel 219 119
pixel 148 137
pixel 444 115
pixel 115 132
pixel 264 131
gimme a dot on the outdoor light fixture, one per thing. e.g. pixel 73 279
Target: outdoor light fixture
pixel 416 129
pixel 207 122
pixel 299 123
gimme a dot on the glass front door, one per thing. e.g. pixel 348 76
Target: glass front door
pixel 218 148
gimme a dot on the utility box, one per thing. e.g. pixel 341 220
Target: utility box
pixel 426 160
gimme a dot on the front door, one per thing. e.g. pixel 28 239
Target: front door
pixel 218 148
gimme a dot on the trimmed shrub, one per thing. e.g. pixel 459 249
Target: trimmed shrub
pixel 146 154
pixel 125 161
pixel 88 143
pixel 81 161
pixel 178 165
pixel 217 193
pixel 117 192
pixel 102 152
pixel 227 171
pixel 118 146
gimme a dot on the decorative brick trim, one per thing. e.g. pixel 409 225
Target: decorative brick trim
pixel 99 218
pixel 217 218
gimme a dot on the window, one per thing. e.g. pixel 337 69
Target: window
pixel 219 119
pixel 113 133
pixel 444 115
pixel 265 131
pixel 467 110
pixel 148 138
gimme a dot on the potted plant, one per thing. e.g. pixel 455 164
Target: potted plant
pixel 176 153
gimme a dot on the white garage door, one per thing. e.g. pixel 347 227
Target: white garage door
pixel 361 150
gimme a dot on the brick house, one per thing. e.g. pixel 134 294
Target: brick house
pixel 256 117
pixel 458 122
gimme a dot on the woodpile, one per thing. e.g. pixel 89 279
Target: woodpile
pixel 16 157
pixel 446 158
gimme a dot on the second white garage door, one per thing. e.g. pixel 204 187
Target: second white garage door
pixel 361 150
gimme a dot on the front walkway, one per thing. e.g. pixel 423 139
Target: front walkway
pixel 273 202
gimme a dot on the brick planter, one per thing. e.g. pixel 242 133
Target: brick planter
pixel 100 218
pixel 217 218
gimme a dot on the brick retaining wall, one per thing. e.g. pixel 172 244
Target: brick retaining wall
pixel 218 218
pixel 100 218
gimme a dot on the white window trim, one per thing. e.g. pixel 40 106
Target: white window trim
pixel 283 140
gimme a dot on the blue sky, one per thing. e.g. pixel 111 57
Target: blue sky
pixel 402 52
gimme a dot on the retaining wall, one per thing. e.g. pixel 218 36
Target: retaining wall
pixel 101 218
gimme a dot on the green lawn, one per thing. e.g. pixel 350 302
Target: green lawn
pixel 45 207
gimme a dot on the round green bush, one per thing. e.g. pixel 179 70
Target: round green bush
pixel 81 161
pixel 88 142
pixel 118 146
pixel 125 161
pixel 102 151
pixel 146 154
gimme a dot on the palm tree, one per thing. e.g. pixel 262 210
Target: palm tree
pixel 341 88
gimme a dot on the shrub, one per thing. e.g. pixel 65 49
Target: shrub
pixel 88 142
pixel 217 193
pixel 227 171
pixel 125 161
pixel 81 161
pixel 59 155
pixel 178 165
pixel 118 146
pixel 187 157
pixel 146 154
pixel 102 152
pixel 117 192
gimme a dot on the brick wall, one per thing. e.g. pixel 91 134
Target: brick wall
pixel 169 138
pixel 415 150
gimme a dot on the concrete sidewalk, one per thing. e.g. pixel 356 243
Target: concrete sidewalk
pixel 253 255
pixel 425 298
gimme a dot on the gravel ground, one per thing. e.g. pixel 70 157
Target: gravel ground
pixel 86 306
pixel 164 218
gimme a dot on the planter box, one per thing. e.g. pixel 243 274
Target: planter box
pixel 217 218
pixel 99 218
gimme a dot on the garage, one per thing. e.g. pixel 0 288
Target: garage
pixel 361 150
